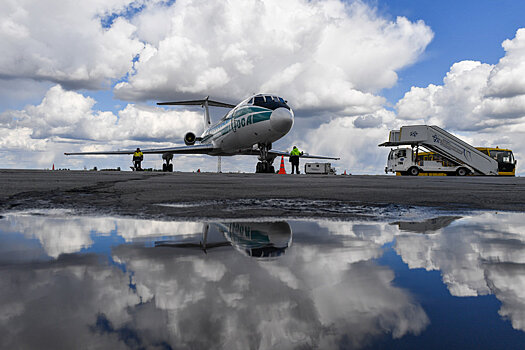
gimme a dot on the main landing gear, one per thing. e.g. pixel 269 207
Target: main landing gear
pixel 167 166
pixel 266 160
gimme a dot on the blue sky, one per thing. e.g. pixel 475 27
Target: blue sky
pixel 464 30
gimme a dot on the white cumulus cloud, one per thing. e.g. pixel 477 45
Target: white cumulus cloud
pixel 63 41
pixel 323 54
pixel 66 121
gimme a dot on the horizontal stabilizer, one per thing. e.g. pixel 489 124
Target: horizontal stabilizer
pixel 197 103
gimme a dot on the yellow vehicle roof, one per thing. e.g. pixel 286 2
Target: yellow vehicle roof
pixel 493 149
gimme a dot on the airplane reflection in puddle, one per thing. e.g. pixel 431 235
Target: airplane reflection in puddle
pixel 255 239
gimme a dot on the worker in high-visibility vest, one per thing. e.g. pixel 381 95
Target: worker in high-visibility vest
pixel 294 158
pixel 138 156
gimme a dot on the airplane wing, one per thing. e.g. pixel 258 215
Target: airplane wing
pixel 195 149
pixel 304 155
pixel 255 152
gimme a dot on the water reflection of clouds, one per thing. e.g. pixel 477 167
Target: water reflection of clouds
pixel 315 295
pixel 477 255
pixel 325 291
pixel 51 305
pixel 62 232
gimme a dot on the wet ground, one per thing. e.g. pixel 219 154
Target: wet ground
pixel 211 195
pixel 432 280
pixel 248 261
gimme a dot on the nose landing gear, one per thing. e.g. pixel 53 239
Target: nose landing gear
pixel 266 160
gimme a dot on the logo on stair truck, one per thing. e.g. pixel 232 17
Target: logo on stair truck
pixel 452 146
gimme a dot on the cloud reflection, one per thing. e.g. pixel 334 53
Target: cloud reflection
pixel 477 255
pixel 61 231
pixel 249 288
pixel 317 294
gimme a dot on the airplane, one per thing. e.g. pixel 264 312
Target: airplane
pixel 249 128
pixel 254 239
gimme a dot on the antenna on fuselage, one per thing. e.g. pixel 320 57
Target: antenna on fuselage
pixel 204 103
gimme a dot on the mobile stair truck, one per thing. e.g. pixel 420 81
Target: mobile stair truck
pixel 453 156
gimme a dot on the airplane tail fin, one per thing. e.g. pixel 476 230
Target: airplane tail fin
pixel 204 103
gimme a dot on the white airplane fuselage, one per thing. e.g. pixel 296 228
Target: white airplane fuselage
pixel 249 124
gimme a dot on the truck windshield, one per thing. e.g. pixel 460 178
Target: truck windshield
pixel 502 156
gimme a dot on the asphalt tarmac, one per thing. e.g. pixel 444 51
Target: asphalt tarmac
pixel 212 195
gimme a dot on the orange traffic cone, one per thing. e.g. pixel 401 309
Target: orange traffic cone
pixel 281 169
pixel 53 166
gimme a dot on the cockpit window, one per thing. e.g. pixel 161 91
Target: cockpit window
pixel 270 102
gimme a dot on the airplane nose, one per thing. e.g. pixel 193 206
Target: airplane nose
pixel 281 119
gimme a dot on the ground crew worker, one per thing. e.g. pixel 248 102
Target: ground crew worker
pixel 294 158
pixel 138 156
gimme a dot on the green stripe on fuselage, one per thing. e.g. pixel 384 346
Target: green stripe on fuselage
pixel 259 117
pixel 252 115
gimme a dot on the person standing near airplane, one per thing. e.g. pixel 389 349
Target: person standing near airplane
pixel 138 156
pixel 294 158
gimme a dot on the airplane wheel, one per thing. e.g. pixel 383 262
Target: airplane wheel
pixel 170 168
pixel 164 167
pixel 258 167
pixel 462 172
pixel 272 170
pixel 413 171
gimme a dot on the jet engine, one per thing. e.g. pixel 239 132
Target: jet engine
pixel 189 138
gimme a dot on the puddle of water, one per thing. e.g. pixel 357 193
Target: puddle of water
pixel 305 207
pixel 447 282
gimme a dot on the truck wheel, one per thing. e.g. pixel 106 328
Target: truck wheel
pixel 462 172
pixel 414 171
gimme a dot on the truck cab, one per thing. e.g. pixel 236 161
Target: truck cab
pixel 406 161
pixel 504 157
